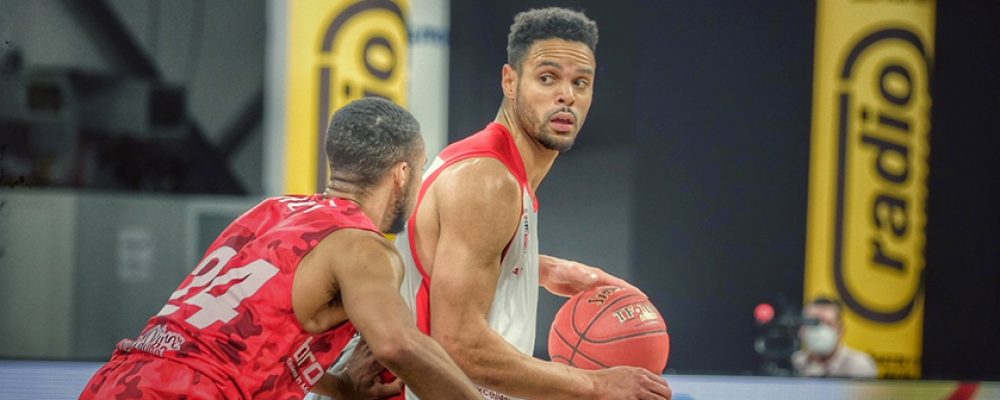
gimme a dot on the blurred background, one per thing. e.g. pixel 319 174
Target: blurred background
pixel 132 132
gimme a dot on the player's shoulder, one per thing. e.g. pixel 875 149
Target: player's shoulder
pixel 483 173
pixel 356 239
pixel 477 181
pixel 478 202
pixel 356 243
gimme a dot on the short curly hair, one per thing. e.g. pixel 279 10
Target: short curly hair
pixel 367 137
pixel 548 23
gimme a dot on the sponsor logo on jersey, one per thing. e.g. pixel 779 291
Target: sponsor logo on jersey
pixel 527 235
pixel 304 367
pixel 525 241
pixel 155 340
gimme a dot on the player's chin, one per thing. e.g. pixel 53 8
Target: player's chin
pixel 559 141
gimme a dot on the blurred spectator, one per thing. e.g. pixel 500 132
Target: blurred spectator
pixel 824 353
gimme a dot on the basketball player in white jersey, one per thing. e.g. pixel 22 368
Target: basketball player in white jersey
pixel 471 247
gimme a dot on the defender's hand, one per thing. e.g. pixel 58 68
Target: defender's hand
pixel 361 378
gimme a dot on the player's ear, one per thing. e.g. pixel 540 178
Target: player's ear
pixel 509 81
pixel 401 173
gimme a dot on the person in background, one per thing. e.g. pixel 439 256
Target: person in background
pixel 824 353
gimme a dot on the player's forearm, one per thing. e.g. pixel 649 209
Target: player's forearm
pixel 427 369
pixel 555 270
pixel 546 264
pixel 567 278
pixel 430 373
pixel 493 363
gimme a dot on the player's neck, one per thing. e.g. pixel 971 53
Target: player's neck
pixel 537 158
pixel 374 204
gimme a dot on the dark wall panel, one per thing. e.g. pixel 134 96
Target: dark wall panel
pixel 723 104
pixel 963 225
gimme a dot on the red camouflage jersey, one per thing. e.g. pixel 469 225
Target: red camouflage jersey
pixel 232 321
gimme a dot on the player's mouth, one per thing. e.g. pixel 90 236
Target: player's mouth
pixel 562 122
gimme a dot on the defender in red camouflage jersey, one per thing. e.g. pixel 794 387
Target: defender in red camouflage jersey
pixel 285 287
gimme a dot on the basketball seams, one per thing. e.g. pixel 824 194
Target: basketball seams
pixel 572 324
pixel 569 361
pixel 584 355
pixel 571 346
pixel 563 338
pixel 632 333
pixel 581 336
pixel 630 336
pixel 604 309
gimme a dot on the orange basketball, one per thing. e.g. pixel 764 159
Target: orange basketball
pixel 610 326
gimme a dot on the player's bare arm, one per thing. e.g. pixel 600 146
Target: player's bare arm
pixel 483 203
pixel 318 307
pixel 366 276
pixel 566 278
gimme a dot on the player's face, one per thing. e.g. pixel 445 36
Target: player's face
pixel 407 200
pixel 554 91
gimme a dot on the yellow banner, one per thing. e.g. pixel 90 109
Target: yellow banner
pixel 338 51
pixel 868 173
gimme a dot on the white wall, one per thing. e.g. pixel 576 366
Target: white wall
pixel 37 248
pixel 428 25
pixel 81 270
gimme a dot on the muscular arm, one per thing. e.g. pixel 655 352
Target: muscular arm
pixel 479 207
pixel 369 271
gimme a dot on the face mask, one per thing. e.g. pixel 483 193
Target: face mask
pixel 820 339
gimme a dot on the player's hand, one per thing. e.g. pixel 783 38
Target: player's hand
pixel 567 278
pixel 629 383
pixel 361 381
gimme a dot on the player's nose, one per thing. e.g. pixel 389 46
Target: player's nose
pixel 565 94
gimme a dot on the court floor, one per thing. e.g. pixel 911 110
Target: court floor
pixel 55 380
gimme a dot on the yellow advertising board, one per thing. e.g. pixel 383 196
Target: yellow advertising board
pixel 338 51
pixel 868 173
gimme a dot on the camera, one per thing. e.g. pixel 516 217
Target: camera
pixel 778 336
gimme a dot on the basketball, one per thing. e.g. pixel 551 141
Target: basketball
pixel 610 326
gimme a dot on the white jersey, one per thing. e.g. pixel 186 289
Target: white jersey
pixel 515 302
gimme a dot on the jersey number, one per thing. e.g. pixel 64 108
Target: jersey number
pixel 222 307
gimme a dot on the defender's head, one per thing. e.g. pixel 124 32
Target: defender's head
pixel 373 143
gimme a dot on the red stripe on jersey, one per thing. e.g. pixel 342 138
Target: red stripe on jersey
pixel 494 141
